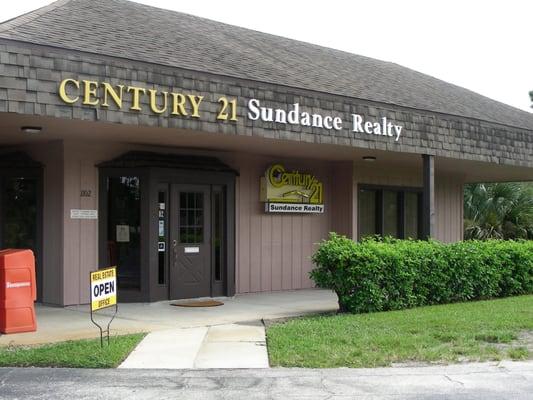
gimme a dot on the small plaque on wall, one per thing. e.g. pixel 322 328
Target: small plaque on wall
pixel 83 214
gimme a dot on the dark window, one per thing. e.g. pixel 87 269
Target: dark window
pixel 388 211
pixel 124 229
pixel 191 217
pixel 367 212
pixel 412 217
pixel 219 225
pixel 20 213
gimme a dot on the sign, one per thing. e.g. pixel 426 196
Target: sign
pixel 123 233
pixel 177 104
pixel 294 115
pixel 103 284
pixel 83 214
pixel 294 208
pixel 291 191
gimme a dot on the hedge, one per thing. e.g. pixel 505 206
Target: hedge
pixel 389 274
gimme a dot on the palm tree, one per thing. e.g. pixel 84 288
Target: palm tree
pixel 498 211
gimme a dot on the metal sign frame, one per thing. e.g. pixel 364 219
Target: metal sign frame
pixel 100 327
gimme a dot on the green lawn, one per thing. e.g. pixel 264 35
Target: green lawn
pixel 476 331
pixel 73 354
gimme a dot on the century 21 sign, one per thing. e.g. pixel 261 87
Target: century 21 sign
pixel 161 102
pixel 293 191
pixel 103 94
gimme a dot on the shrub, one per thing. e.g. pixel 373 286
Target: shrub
pixel 389 274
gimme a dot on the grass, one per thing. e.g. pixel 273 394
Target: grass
pixel 475 331
pixel 71 354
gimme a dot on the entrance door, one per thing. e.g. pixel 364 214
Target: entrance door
pixel 190 241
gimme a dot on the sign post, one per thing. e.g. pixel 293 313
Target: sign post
pixel 103 286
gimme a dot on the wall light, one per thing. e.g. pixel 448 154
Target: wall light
pixel 369 158
pixel 31 129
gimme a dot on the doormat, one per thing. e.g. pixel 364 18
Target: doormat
pixel 197 303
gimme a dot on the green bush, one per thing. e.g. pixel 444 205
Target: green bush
pixel 389 274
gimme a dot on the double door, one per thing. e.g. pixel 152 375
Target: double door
pixel 196 241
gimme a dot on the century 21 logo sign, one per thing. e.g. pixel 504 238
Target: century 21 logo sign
pixel 294 186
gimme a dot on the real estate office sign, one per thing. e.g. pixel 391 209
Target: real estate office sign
pixel 103 287
pixel 191 105
pixel 285 191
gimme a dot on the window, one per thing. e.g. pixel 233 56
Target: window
pixel 219 225
pixel 389 211
pixel 20 213
pixel 124 229
pixel 191 217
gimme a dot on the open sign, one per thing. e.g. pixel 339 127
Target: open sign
pixel 103 288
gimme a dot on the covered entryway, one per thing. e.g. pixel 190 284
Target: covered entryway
pixel 167 223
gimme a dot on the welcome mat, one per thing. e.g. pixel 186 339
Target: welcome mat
pixel 197 303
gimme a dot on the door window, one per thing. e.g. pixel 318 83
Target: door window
pixel 191 211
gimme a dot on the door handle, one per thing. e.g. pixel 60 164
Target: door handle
pixel 175 251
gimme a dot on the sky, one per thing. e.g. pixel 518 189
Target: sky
pixel 482 45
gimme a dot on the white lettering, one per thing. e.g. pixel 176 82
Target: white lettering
pixel 317 121
pixel 337 123
pixel 357 123
pixel 368 127
pixel 385 128
pixel 293 117
pixel 266 114
pixel 253 109
pixel 328 122
pixel 281 116
pixel 398 129
pixel 13 285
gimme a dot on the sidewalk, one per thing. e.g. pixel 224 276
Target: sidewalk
pixel 240 345
pixel 58 324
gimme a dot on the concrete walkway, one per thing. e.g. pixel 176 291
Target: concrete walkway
pixel 240 345
pixel 59 324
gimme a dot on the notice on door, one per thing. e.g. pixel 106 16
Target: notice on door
pixel 103 288
pixel 123 233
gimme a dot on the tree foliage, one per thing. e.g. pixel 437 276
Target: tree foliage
pixel 498 211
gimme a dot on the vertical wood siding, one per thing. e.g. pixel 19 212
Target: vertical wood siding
pixel 274 250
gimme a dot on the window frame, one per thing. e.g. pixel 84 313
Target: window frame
pixel 400 190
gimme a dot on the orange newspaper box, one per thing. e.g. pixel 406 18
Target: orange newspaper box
pixel 17 291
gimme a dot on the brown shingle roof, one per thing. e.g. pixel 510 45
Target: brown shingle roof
pixel 138 32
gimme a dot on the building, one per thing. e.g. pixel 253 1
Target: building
pixel 205 159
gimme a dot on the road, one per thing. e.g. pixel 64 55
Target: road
pixel 484 381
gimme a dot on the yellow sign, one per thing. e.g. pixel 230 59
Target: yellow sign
pixel 103 288
pixel 291 191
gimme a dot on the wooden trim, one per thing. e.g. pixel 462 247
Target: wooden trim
pixel 428 199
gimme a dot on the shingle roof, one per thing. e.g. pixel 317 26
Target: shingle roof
pixel 138 32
